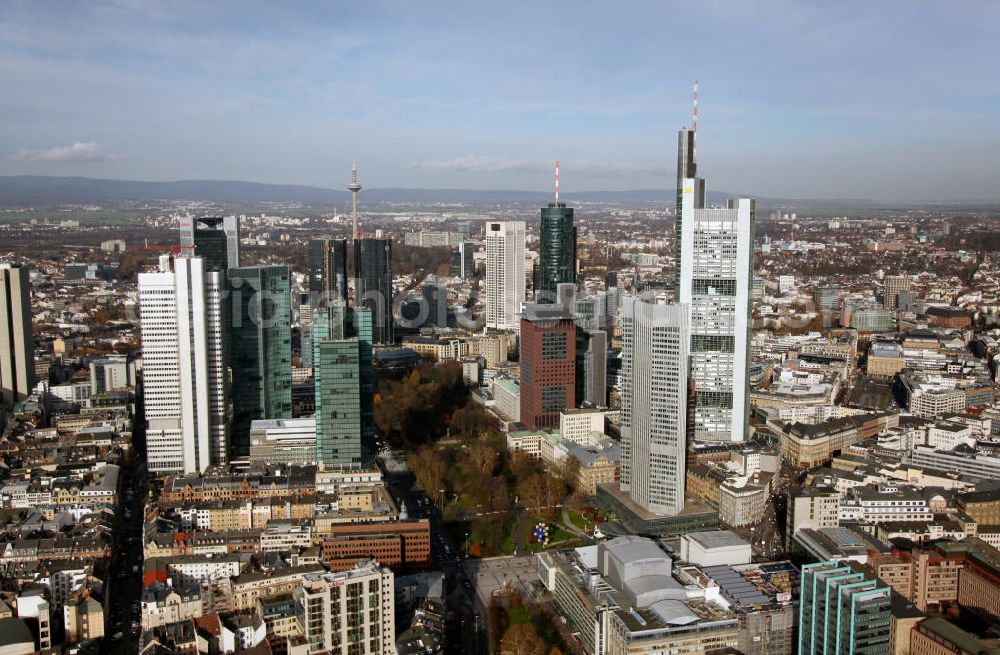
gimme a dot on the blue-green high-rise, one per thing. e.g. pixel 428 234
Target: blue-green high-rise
pixel 556 253
pixel 843 610
pixel 345 387
pixel 260 348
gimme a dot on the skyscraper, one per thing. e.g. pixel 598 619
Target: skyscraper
pixel 261 349
pixel 716 267
pixel 345 387
pixel 504 273
pixel 182 318
pixel 373 284
pixel 327 271
pixel 215 239
pixel 17 361
pixel 548 365
pixel 557 249
pixel 591 367
pixel 462 260
pixel 686 168
pixel 653 403
pixel 843 610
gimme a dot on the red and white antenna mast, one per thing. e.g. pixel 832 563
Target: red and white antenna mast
pixel 694 126
pixel 557 181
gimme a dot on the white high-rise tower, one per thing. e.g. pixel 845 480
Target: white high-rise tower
pixel 17 361
pixel 654 403
pixel 716 273
pixel 184 365
pixel 505 289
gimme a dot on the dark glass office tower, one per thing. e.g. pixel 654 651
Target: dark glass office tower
pixel 215 239
pixel 327 271
pixel 373 284
pixel 557 252
pixel 462 260
pixel 260 348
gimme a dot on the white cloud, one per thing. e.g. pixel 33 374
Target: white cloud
pixel 481 164
pixel 79 152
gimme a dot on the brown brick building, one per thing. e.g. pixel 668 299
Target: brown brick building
pixel 548 365
pixel 402 546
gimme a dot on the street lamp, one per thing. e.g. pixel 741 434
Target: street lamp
pixel 466 545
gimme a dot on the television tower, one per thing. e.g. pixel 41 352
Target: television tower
pixel 354 187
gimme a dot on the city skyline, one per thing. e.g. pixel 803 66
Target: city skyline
pixel 158 92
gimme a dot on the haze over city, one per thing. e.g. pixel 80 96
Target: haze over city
pixel 890 101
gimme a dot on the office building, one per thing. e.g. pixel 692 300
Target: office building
pixel 345 388
pixel 463 262
pixel 716 260
pixel 557 251
pixel 109 374
pixel 843 609
pixel 327 271
pixel 215 239
pixel 434 292
pixel 373 284
pixel 261 349
pixel 504 273
pixel 894 285
pixel 185 392
pixel 592 367
pixel 17 366
pixel 548 365
pixel 653 404
pixel 348 613
pixel 283 441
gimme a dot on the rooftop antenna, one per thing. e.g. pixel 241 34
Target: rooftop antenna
pixel 557 181
pixel 694 126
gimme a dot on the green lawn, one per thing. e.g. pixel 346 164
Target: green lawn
pixel 577 519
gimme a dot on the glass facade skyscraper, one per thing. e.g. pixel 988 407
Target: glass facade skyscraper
pixel 327 271
pixel 843 610
pixel 557 252
pixel 373 284
pixel 260 348
pixel 215 239
pixel 345 387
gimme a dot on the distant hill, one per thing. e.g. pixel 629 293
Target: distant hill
pixel 39 190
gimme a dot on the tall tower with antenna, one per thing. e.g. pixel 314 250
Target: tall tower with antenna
pixel 687 168
pixel 354 187
pixel 557 249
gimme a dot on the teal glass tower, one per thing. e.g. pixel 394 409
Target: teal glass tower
pixel 557 251
pixel 843 610
pixel 345 387
pixel 260 349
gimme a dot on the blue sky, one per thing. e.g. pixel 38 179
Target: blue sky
pixel 891 100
